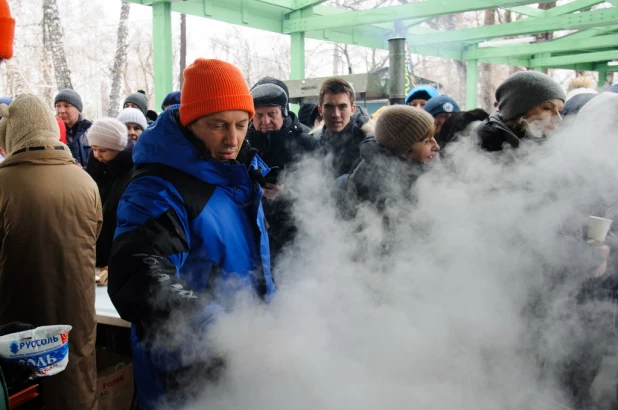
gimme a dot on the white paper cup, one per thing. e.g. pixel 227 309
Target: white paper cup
pixel 598 228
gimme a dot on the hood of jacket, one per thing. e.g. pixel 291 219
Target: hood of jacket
pixel 167 142
pixel 493 134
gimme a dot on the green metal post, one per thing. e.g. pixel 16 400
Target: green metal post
pixel 602 79
pixel 297 51
pixel 162 49
pixel 539 69
pixel 472 80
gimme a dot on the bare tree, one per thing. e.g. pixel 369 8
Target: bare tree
pixel 55 35
pixel 120 61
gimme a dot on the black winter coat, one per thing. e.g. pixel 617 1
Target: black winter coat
pixel 345 146
pixel 493 134
pixel 382 175
pixel 112 179
pixel 279 149
pixel 77 141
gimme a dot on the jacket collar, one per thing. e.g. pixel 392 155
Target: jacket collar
pixel 40 155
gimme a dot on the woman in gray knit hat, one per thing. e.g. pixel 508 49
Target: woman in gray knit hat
pixel 529 105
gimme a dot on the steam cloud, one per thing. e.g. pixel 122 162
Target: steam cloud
pixel 451 307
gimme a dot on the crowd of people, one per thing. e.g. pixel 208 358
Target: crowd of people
pixel 189 207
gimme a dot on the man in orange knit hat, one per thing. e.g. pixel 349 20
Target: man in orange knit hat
pixel 190 233
pixel 7 31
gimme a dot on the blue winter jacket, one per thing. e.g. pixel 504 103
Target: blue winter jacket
pixel 187 240
pixel 77 141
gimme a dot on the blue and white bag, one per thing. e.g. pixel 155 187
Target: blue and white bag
pixel 46 348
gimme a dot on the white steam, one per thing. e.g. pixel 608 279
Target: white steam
pixel 434 313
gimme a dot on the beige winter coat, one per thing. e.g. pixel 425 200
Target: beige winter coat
pixel 50 217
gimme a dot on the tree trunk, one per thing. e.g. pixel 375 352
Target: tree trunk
pixel 56 44
pixel 120 61
pixel 183 49
pixel 48 95
pixel 336 60
pixel 486 70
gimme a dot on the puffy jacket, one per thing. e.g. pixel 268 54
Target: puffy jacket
pixel 77 141
pixel 493 134
pixel 188 239
pixel 282 147
pixel 345 146
pixel 381 174
pixel 112 179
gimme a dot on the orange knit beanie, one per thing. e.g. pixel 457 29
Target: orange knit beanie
pixel 212 86
pixel 7 30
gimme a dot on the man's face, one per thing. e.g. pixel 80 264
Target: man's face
pixel 440 119
pixel 67 113
pixel 418 103
pixel 268 118
pixel 336 110
pixel 423 151
pixel 134 131
pixel 222 133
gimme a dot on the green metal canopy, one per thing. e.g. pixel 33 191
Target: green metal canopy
pixel 591 44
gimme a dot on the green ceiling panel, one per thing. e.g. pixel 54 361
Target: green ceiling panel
pixel 423 9
pixel 526 26
pixel 607 41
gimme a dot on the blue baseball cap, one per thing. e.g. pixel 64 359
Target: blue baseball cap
pixel 441 104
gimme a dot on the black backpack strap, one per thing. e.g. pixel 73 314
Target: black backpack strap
pixel 195 193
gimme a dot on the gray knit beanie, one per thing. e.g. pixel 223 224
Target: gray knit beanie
pixel 71 97
pixel 132 115
pixel 525 90
pixel 400 126
pixel 108 133
pixel 139 98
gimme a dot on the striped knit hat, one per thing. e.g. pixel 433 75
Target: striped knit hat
pixel 213 86
pixel 400 126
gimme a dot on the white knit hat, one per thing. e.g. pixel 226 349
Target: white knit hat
pixel 132 116
pixel 108 133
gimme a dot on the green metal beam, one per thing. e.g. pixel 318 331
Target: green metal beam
pixel 297 51
pixel 574 59
pixel 472 81
pixel 527 26
pixel 423 9
pixel 256 15
pixel 592 32
pixel 162 50
pixel 527 11
pixel 474 53
pixel 572 7
pixel 288 4
pixel 301 4
pixel 510 61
